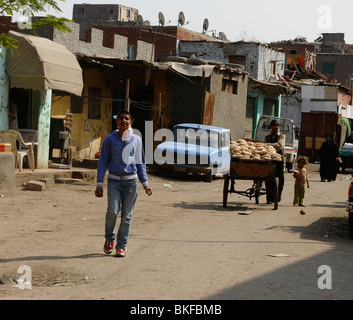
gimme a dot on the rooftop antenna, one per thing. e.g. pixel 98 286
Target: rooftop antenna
pixel 139 20
pixel 222 35
pixel 205 25
pixel 181 18
pixel 161 19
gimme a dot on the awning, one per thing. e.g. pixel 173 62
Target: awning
pixel 42 64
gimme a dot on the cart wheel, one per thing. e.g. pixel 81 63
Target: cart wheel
pixel 276 193
pixel 225 190
pixel 257 191
pixel 350 224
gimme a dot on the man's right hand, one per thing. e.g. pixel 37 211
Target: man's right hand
pixel 99 192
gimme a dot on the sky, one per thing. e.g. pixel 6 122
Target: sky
pixel 264 21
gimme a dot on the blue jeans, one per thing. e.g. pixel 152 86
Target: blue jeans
pixel 122 195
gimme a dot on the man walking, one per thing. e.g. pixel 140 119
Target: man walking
pixel 122 154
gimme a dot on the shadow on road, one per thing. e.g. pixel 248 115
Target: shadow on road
pixel 303 280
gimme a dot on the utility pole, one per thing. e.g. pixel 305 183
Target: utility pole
pixel 127 99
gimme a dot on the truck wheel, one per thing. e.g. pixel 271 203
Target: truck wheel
pixel 350 224
pixel 290 166
pixel 208 176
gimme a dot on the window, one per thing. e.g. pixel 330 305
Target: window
pixel 82 10
pixel 230 86
pixel 131 52
pixel 273 67
pixel 237 60
pixel 94 103
pixel 225 139
pixel 328 68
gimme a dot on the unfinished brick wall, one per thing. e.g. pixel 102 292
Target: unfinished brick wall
pixel 164 39
pixel 6 24
pixel 164 43
pixel 93 47
pixel 98 42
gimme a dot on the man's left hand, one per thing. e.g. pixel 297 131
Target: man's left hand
pixel 148 191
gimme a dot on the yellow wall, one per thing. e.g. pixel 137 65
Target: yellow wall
pixel 85 142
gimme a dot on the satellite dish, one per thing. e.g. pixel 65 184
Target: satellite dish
pixel 139 20
pixel 181 18
pixel 222 35
pixel 205 25
pixel 161 19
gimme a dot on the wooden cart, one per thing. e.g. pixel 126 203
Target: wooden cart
pixel 258 171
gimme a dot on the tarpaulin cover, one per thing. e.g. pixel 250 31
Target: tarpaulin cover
pixel 186 69
pixel 41 64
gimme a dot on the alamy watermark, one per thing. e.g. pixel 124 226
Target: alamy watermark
pixel 183 145
pixel 25 280
pixel 25 19
pixel 325 279
pixel 26 13
pixel 325 17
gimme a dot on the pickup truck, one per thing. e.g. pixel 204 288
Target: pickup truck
pixel 287 127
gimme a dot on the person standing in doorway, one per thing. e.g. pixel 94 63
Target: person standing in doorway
pixel 122 154
pixel 278 141
pixel 328 156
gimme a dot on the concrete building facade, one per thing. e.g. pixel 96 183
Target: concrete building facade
pixel 261 61
pixel 335 59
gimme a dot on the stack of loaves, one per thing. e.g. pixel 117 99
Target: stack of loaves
pixel 243 149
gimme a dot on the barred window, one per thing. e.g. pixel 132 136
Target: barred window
pixel 76 104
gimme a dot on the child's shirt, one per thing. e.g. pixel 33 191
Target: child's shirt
pixel 300 180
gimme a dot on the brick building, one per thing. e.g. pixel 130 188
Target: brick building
pixel 89 15
pixel 295 51
pixel 6 24
pixel 164 39
pixel 335 59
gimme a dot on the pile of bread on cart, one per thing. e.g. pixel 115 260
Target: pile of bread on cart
pixel 253 150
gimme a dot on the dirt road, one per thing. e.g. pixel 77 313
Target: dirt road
pixel 183 244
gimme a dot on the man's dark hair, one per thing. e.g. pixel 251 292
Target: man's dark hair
pixel 123 112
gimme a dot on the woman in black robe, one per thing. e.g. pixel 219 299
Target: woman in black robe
pixel 329 154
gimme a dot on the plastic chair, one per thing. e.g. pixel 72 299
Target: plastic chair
pixel 11 136
pixel 30 136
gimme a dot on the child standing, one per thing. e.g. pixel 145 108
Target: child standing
pixel 301 178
